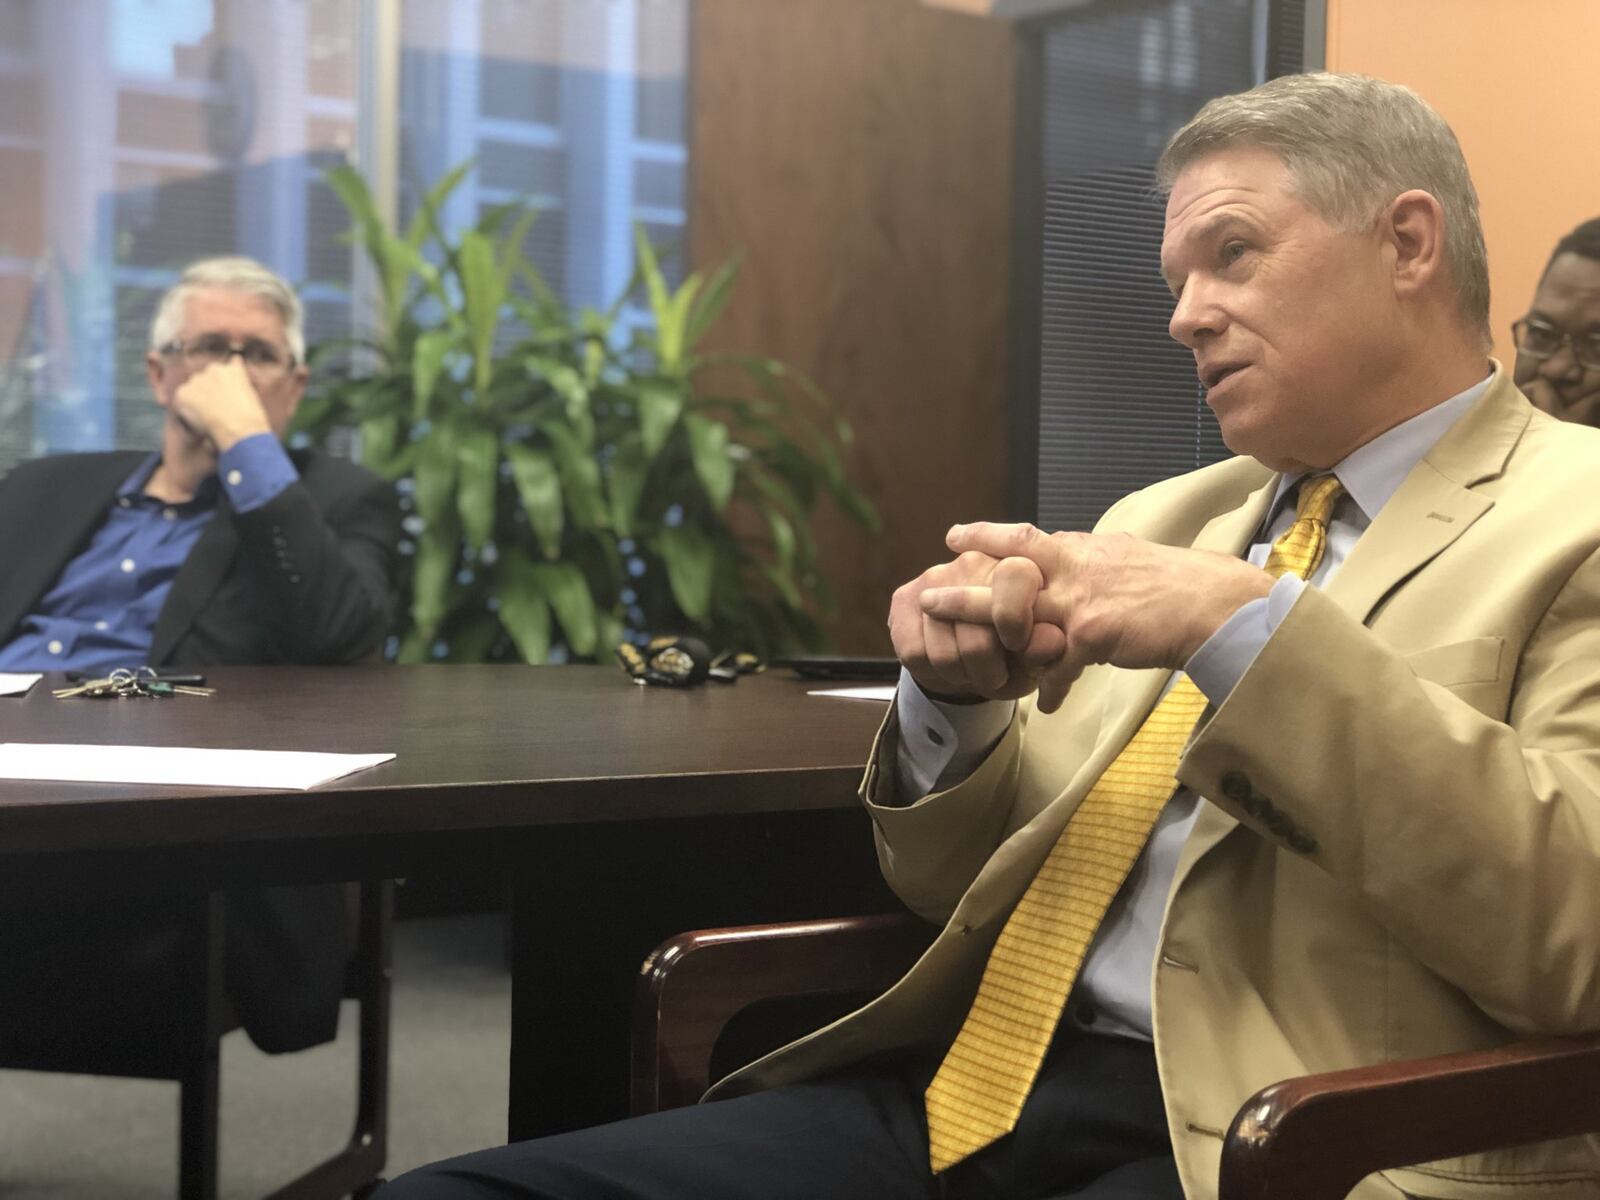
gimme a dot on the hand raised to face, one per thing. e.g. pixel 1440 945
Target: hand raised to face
pixel 220 404
pixel 1114 598
pixel 965 659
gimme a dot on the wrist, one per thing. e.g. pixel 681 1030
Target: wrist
pixel 1252 584
pixel 945 697
pixel 226 437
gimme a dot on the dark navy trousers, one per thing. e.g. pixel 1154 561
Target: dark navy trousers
pixel 1094 1128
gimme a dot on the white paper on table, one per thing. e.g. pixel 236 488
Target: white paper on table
pixel 279 770
pixel 17 685
pixel 886 692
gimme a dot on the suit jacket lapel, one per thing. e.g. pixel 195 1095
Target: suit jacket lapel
pixel 37 545
pixel 1431 508
pixel 1435 505
pixel 200 576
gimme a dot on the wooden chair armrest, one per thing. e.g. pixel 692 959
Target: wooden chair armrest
pixel 1316 1137
pixel 692 985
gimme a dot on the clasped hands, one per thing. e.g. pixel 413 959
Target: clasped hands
pixel 1019 609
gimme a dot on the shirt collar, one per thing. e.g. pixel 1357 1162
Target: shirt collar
pixel 1373 472
pixel 133 486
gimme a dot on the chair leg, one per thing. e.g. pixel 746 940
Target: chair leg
pixel 356 1169
pixel 199 1083
pixel 374 971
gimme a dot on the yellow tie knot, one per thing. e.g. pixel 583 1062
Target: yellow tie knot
pixel 1299 549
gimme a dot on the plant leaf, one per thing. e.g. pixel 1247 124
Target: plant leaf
pixel 626 474
pixel 690 561
pixel 483 291
pixel 708 307
pixel 432 575
pixel 427 362
pixel 379 436
pixel 566 382
pixel 471 638
pixel 524 611
pixel 477 481
pixel 580 476
pixel 708 447
pixel 436 475
pixel 426 219
pixel 539 486
pixel 783 540
pixel 608 632
pixel 564 586
pixel 659 406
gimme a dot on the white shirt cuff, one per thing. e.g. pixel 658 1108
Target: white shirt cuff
pixel 941 744
pixel 1217 666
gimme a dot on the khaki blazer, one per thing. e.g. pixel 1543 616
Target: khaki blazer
pixel 1399 852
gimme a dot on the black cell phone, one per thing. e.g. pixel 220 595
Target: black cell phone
pixel 826 666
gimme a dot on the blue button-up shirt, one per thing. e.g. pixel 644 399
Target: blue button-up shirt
pixel 101 612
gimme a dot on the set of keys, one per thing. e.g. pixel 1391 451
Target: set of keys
pixel 127 684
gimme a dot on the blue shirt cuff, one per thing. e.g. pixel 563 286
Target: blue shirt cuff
pixel 1217 666
pixel 254 470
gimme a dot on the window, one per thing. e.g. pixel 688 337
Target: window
pixel 136 135
pixel 1119 405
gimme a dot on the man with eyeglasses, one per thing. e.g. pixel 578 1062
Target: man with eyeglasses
pixel 222 547
pixel 1558 342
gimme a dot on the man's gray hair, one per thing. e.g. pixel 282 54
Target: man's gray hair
pixel 233 273
pixel 1352 143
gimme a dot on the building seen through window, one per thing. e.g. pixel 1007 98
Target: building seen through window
pixel 136 135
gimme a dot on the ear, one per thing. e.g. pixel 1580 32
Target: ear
pixel 297 389
pixel 155 371
pixel 1413 229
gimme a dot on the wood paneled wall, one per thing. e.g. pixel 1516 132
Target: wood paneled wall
pixel 858 153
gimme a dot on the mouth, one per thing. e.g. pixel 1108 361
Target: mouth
pixel 1213 376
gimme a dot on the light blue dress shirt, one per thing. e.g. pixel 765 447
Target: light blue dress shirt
pixel 101 611
pixel 941 744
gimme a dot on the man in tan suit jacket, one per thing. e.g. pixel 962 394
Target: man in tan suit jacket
pixel 1385 837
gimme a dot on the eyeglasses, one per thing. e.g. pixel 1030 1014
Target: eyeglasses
pixel 264 361
pixel 1538 340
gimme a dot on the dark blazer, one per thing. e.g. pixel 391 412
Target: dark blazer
pixel 307 578
pixel 304 579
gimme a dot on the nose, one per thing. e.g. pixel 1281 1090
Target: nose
pixel 1563 364
pixel 1194 317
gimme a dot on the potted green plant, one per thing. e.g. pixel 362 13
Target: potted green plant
pixel 572 485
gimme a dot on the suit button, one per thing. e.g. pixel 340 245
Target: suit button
pixel 1236 786
pixel 1277 824
pixel 1256 805
pixel 1085 1013
pixel 1301 842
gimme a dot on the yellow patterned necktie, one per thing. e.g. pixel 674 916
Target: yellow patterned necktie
pixel 986 1075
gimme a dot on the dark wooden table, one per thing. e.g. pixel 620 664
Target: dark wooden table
pixel 620 814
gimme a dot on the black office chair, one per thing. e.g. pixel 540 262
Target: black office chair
pixel 193 1063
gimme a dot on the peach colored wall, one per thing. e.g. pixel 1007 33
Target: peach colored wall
pixel 1519 82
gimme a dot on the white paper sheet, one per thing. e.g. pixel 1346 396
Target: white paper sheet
pixel 17 685
pixel 278 770
pixel 886 692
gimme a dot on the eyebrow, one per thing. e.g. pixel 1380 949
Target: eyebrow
pixel 1208 229
pixel 1589 329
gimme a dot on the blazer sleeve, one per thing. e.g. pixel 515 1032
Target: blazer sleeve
pixel 1474 841
pixel 932 849
pixel 323 553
